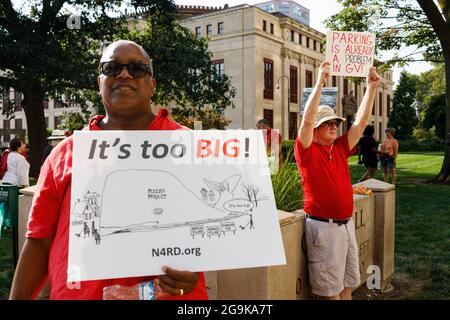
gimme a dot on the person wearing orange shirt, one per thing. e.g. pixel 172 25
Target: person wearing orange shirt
pixel 388 155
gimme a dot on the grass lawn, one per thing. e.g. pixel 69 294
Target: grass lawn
pixel 422 238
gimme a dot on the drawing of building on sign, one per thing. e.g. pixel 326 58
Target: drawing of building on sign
pixel 86 216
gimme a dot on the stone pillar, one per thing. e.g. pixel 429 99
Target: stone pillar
pixel 363 217
pixel 25 198
pixel 384 227
pixel 286 282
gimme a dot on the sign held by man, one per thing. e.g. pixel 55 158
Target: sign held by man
pixel 350 53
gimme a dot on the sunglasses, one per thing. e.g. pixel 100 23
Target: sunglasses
pixel 332 123
pixel 135 69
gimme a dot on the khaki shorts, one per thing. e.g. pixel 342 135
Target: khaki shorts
pixel 332 252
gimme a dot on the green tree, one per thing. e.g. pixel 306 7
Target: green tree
pixel 403 116
pixel 183 69
pixel 422 24
pixel 430 83
pixel 434 115
pixel 43 57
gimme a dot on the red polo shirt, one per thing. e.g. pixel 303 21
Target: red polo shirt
pixel 327 187
pixel 50 217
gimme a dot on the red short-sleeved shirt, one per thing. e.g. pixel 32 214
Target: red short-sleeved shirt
pixel 50 216
pixel 327 187
pixel 272 135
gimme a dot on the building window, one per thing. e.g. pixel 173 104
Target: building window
pixel 17 101
pixel 268 79
pixel 308 79
pixel 374 105
pixel 315 45
pixel 46 122
pixel 6 125
pixel 380 103
pixel 219 66
pixel 292 36
pixel 57 103
pixel 72 103
pixel 268 115
pixel 57 122
pixel 307 42
pixel 292 125
pixel 198 32
pixel 18 123
pixel 293 86
pixel 388 106
pixel 299 38
pixel 209 30
pixel 345 87
pixel 220 29
pixel 271 28
pixel 333 81
pixel 380 131
pixel 264 25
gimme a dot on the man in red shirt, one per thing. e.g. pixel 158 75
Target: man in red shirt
pixel 126 85
pixel 328 199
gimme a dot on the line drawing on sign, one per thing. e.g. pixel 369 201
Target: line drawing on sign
pixel 225 204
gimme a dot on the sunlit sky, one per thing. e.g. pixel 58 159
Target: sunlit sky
pixel 319 10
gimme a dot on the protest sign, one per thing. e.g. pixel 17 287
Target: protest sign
pixel 350 53
pixel 191 200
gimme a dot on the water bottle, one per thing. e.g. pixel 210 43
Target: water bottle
pixel 148 290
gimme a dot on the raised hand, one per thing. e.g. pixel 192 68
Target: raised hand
pixel 373 79
pixel 324 73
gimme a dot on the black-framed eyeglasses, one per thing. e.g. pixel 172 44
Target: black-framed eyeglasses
pixel 135 69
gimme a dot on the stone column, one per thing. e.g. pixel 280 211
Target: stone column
pixel 384 228
pixel 286 282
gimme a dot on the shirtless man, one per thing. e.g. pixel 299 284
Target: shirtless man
pixel 389 151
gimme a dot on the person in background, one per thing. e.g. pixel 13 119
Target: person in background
pixel 388 155
pixel 272 140
pixel 4 152
pixel 56 137
pixel 368 152
pixel 18 167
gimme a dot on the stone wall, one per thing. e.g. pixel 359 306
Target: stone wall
pixel 374 218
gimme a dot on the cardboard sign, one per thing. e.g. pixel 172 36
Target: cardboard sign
pixel 191 200
pixel 327 97
pixel 350 53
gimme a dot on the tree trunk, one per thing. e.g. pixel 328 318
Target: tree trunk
pixel 33 105
pixel 444 174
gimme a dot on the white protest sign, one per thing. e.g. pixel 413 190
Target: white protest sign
pixel 350 53
pixel 191 200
